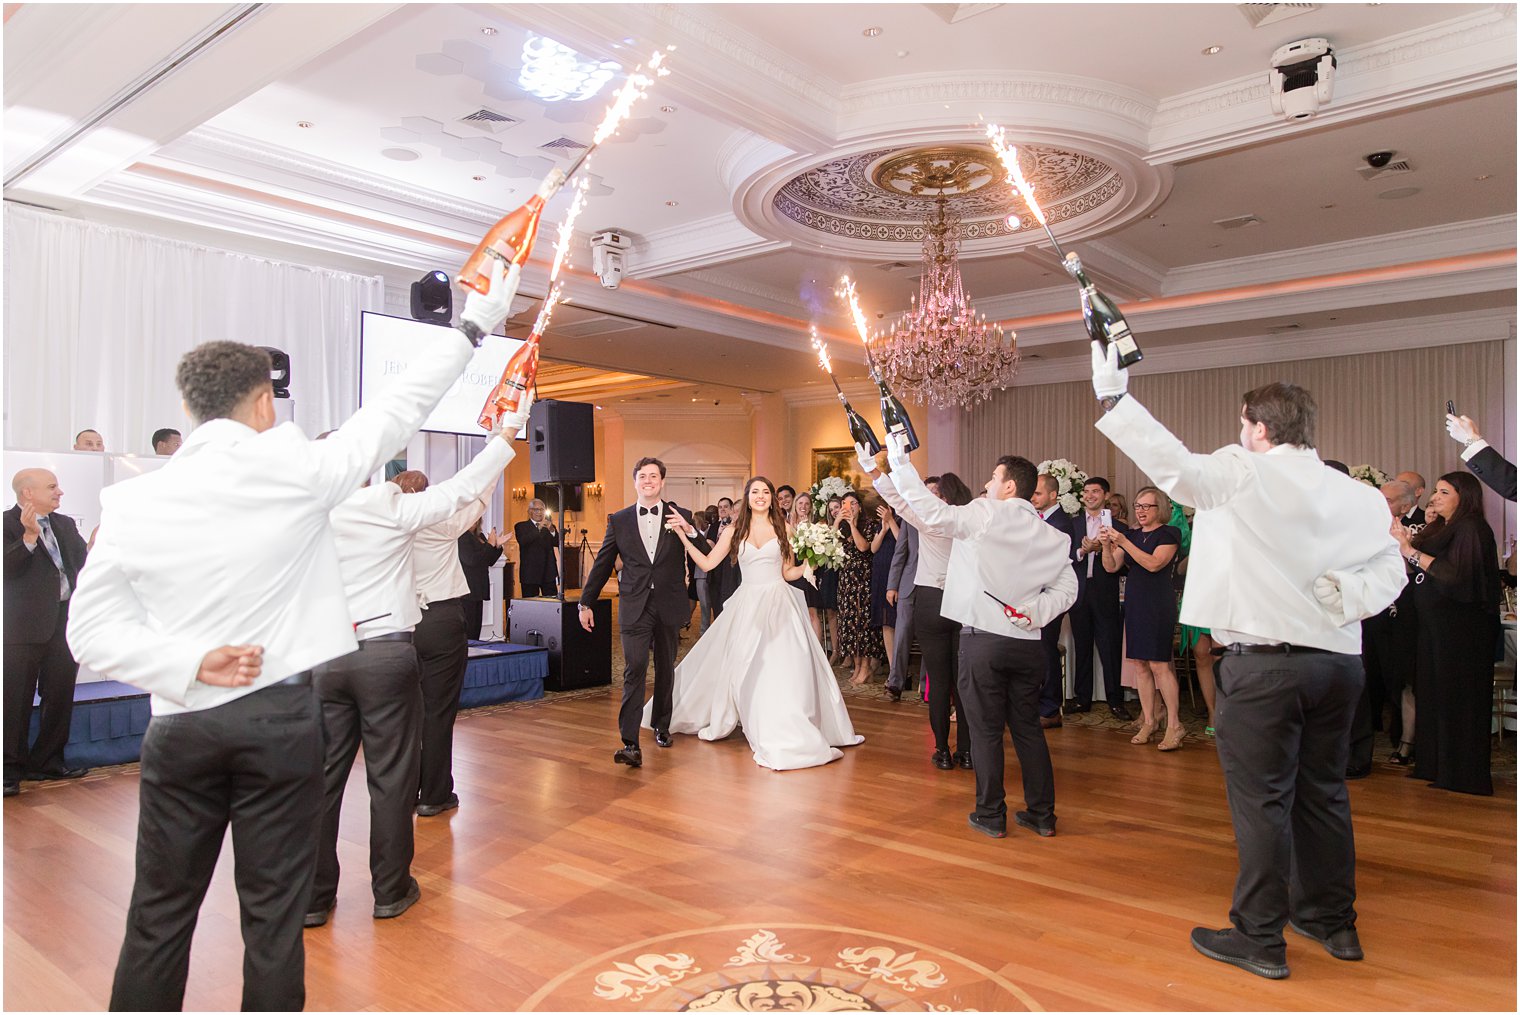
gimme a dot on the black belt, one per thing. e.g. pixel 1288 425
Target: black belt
pixel 1281 648
pixel 302 679
pixel 405 636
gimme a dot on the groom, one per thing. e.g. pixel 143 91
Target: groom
pixel 654 604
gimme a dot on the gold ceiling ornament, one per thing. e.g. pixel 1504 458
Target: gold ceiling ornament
pixel 942 352
pixel 943 171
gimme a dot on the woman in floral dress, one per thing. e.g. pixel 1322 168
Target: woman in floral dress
pixel 857 637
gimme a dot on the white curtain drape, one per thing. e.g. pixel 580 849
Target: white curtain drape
pixel 97 317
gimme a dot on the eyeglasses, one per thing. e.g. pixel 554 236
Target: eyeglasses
pixel 1147 507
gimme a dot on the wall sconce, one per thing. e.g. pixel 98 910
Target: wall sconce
pixel 519 493
pixel 593 489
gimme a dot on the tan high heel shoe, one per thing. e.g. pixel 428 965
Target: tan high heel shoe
pixel 1147 730
pixel 1173 739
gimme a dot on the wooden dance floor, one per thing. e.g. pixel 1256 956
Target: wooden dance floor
pixel 702 881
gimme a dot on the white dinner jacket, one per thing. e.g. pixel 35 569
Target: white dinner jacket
pixel 1267 525
pixel 230 544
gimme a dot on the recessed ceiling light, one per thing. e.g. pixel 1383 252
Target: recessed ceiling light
pixel 488 30
pixel 671 204
pixel 1211 50
pixel 1013 223
pixel 1485 176
pixel 667 109
pixel 1399 192
pixel 400 154
pixel 305 124
pixel 872 32
pixel 902 54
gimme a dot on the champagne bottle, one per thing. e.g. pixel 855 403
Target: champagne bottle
pixel 1104 322
pixel 860 430
pixel 511 239
pixel 520 373
pixel 895 418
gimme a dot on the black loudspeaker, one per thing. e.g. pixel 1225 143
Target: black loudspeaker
pixel 279 371
pixel 549 494
pixel 577 657
pixel 561 442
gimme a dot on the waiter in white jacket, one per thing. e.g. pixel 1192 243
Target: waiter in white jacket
pixel 214 585
pixel 1009 573
pixel 374 694
pixel 1289 557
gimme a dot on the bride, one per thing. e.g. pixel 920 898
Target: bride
pixel 759 664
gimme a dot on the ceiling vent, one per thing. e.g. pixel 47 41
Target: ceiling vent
pixel 564 147
pixel 1285 329
pixel 893 266
pixel 490 120
pixel 1270 14
pixel 1238 222
pixel 1398 168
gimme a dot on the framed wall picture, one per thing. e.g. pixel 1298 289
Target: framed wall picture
pixel 838 462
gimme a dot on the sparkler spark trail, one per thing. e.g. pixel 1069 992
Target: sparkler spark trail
pixel 847 290
pixel 632 91
pixel 1009 156
pixel 823 351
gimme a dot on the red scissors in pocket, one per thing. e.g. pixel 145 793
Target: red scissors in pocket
pixel 1008 611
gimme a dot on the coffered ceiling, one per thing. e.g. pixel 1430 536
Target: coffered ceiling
pixel 764 166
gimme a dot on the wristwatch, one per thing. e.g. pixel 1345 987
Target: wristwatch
pixel 1109 401
pixel 471 331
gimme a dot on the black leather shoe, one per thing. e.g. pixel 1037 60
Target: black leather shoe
pixel 1073 707
pixel 942 761
pixel 895 693
pixel 963 759
pixel 12 787
pixel 57 773
pixel 1229 946
pixel 1357 772
pixel 1121 713
pixel 317 917
pixel 662 737
pixel 391 910
pixel 430 810
pixel 1045 829
pixel 1343 943
pixel 986 829
pixel 630 756
pixel 1050 722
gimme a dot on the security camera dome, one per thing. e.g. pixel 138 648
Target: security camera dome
pixel 1377 160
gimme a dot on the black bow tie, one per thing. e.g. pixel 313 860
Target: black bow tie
pixel 649 511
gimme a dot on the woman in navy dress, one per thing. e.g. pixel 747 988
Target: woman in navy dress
pixel 1149 550
pixel 883 545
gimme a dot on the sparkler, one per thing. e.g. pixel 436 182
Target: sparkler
pixel 634 89
pixel 847 291
pixel 1009 155
pixel 860 430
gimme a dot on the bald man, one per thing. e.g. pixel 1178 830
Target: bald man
pixel 43 555
pixel 1415 519
pixel 89 440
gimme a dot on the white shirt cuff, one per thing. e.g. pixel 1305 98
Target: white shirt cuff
pixel 1473 449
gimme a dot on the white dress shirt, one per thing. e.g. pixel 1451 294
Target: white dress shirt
pixel 649 528
pixel 374 530
pixel 1001 547
pixel 435 555
pixel 1269 524
pixel 229 543
pixel 933 548
pixel 1094 558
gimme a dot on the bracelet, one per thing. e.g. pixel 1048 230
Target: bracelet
pixel 1109 401
pixel 1414 558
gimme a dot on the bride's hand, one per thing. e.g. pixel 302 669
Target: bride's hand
pixel 675 523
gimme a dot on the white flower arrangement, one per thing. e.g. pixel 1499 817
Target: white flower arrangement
pixel 817 544
pixel 820 492
pixel 1369 474
pixel 1070 480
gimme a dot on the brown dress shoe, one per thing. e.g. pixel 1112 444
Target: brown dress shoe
pixel 1050 722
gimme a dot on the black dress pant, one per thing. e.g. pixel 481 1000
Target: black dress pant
pixel 939 641
pixel 1000 680
pixel 1282 725
pixel 643 634
pixel 1098 617
pixel 374 697
pixel 48 670
pixel 1051 691
pixel 442 652
pixel 548 589
pixel 474 616
pixel 255 762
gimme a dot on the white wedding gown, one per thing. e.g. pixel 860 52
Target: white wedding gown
pixel 760 666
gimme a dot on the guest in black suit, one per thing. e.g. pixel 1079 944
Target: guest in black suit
pixel 477 552
pixel 652 602
pixel 1415 517
pixel 43 555
pixel 1097 615
pixel 1047 501
pixel 536 542
pixel 723 579
pixel 1485 463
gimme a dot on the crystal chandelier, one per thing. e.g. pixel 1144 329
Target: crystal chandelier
pixel 941 352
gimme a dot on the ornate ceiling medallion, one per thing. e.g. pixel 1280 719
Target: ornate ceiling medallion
pixel 949 171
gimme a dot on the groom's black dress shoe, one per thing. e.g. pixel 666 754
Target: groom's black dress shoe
pixel 962 759
pixel 630 756
pixel 942 760
pixel 47 775
pixel 662 737
pixel 984 827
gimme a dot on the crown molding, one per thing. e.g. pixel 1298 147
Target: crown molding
pixel 683 412
pixel 1325 343
pixel 698 244
pixel 1468 54
pixel 823 394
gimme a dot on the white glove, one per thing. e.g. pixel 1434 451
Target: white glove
pixel 1024 622
pixel 866 459
pixel 897 450
pixel 486 311
pixel 1109 380
pixel 1328 591
pixel 513 424
pixel 1461 429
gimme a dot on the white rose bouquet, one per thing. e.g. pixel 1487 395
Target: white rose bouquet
pixel 820 492
pixel 1070 479
pixel 816 544
pixel 1369 474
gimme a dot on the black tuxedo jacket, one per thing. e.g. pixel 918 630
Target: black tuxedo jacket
pixel 1491 467
pixel 475 558
pixel 31 579
pixel 643 584
pixel 535 554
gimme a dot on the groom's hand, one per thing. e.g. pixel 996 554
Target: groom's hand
pixel 587 618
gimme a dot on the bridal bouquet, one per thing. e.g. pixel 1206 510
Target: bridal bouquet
pixel 1369 474
pixel 1070 479
pixel 820 492
pixel 817 544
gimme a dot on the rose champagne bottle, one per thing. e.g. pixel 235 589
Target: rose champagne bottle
pixel 511 239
